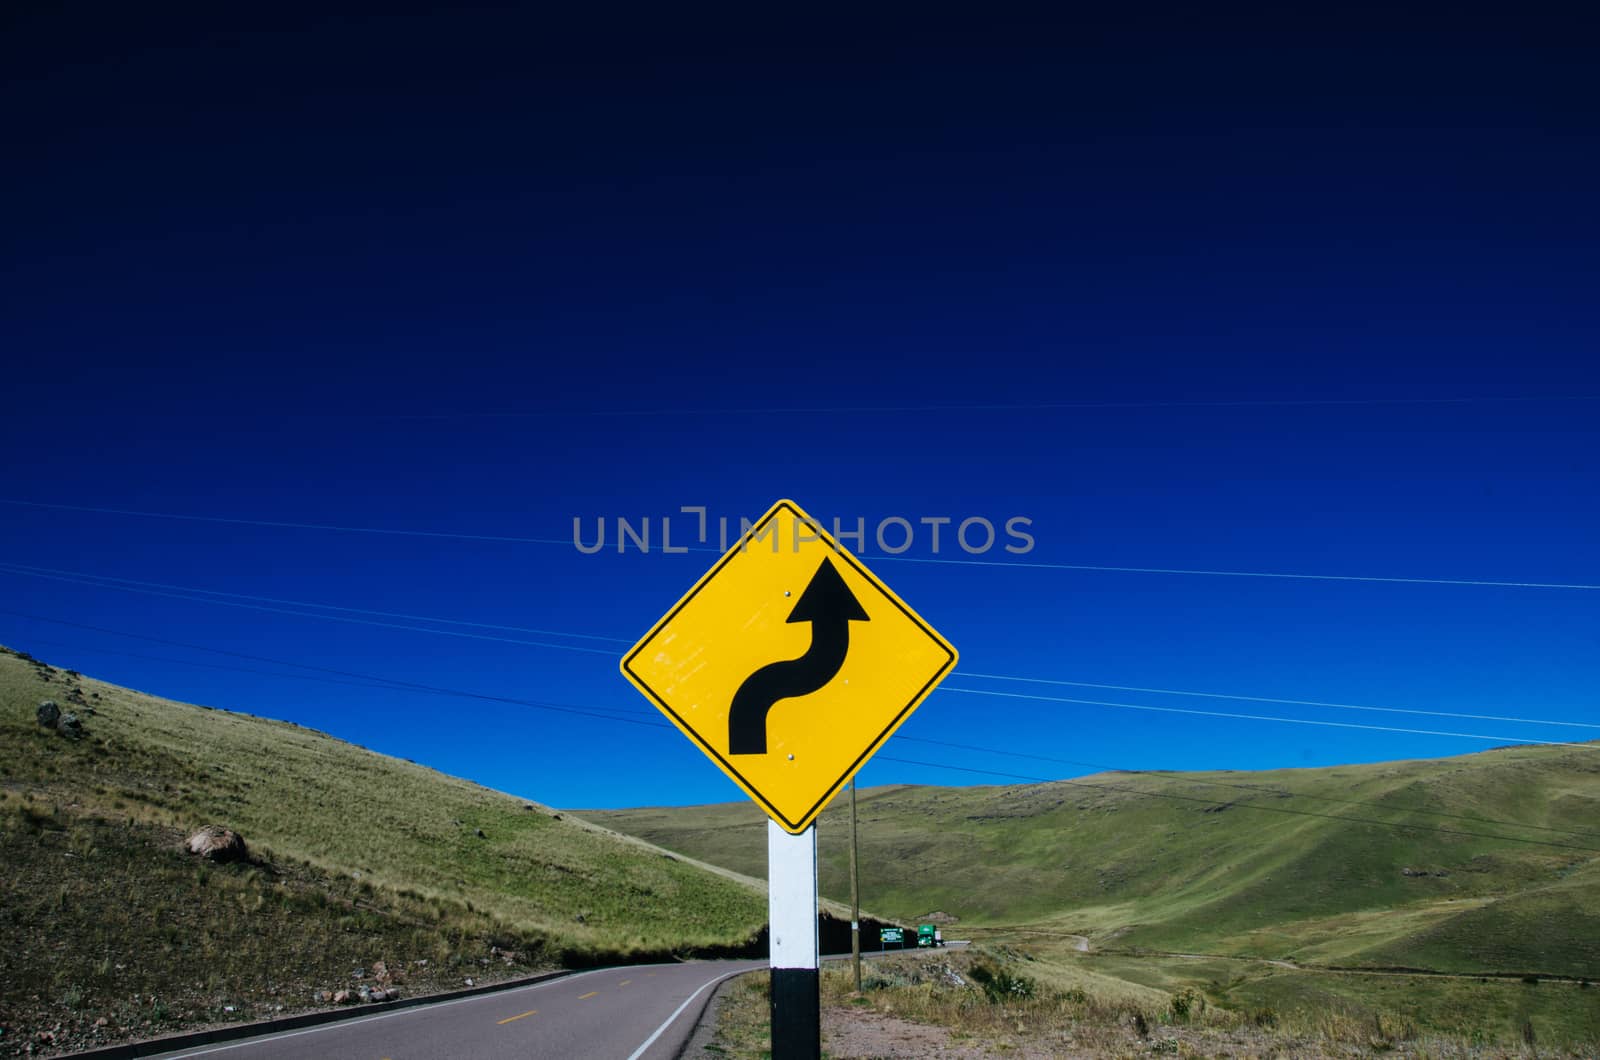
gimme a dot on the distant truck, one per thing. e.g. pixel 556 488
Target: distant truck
pixel 929 935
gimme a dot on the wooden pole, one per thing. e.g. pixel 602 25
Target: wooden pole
pixel 855 892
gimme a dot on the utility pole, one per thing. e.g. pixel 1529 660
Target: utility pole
pixel 855 892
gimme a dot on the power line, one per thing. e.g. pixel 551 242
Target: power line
pixel 137 586
pixel 1261 717
pixel 1241 805
pixel 386 685
pixel 178 643
pixel 128 585
pixel 369 682
pixel 560 708
pixel 277 524
pixel 22 568
pixel 1269 699
pixel 308 614
pixel 383 682
pixel 1041 406
pixel 1017 564
pixel 1036 565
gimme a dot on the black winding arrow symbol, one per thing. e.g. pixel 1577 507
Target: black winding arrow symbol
pixel 830 607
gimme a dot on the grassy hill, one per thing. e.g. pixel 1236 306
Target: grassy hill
pixel 1417 863
pixel 1307 890
pixel 357 858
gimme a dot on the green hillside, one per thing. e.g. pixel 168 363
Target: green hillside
pixel 1415 864
pixel 1293 899
pixel 356 858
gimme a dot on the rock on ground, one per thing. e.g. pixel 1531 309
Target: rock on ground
pixel 216 843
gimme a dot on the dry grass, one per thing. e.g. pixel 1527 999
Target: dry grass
pixel 743 1018
pixel 106 919
pixel 998 1003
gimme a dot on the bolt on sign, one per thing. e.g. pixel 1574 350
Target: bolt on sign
pixel 789 663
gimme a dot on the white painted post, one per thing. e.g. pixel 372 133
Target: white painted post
pixel 792 927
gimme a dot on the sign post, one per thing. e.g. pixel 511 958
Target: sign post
pixel 789 664
pixel 792 927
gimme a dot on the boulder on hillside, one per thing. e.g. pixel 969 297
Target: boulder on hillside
pixel 49 716
pixel 216 843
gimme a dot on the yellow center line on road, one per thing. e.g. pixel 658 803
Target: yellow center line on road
pixel 518 1016
pixel 625 982
pixel 585 997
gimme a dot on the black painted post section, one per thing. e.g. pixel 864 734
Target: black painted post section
pixel 796 1014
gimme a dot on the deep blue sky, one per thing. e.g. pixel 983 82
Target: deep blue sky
pixel 1265 292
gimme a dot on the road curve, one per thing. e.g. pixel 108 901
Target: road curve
pixel 644 1012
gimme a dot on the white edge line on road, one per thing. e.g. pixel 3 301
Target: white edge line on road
pixel 414 1009
pixel 648 1042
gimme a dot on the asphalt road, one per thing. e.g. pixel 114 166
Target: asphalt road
pixel 645 1012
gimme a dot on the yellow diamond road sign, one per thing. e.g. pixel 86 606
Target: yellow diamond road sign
pixel 789 664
